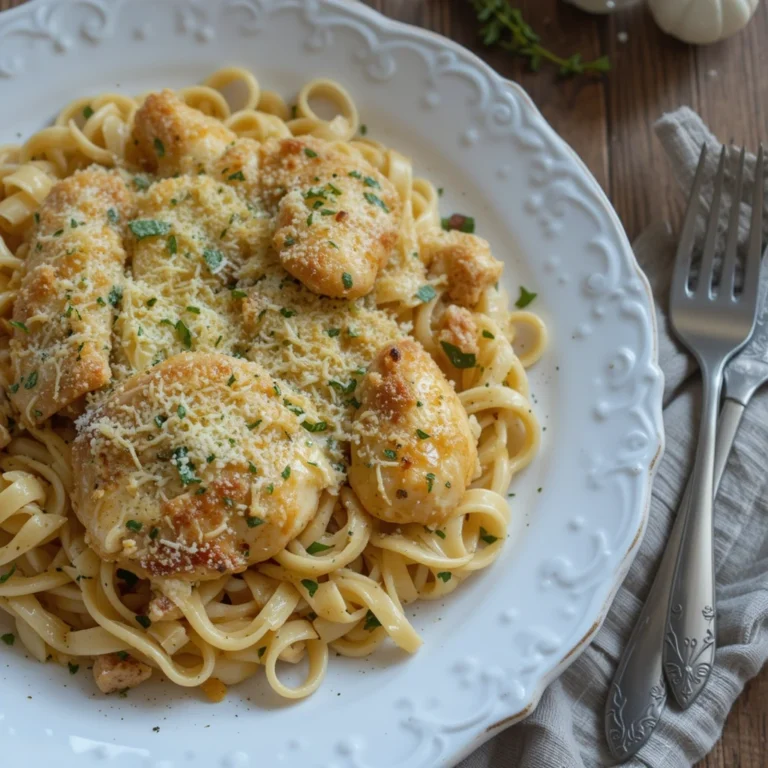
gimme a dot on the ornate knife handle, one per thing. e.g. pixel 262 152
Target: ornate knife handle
pixel 638 694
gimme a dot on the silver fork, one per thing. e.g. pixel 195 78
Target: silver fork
pixel 638 692
pixel 714 323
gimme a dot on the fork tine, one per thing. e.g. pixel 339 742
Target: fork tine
pixel 727 282
pixel 679 284
pixel 703 287
pixel 754 250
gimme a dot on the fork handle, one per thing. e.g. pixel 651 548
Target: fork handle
pixel 689 643
pixel 638 693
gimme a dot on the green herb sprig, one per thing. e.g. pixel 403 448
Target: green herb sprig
pixel 505 26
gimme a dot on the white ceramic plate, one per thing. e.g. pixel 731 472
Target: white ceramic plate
pixel 492 647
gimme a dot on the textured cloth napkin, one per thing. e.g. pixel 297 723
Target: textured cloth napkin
pixel 567 727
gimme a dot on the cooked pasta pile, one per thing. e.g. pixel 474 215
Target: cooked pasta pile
pixel 257 396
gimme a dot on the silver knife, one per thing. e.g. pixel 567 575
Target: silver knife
pixel 638 692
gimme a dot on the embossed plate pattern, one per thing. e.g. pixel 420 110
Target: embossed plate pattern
pixel 579 510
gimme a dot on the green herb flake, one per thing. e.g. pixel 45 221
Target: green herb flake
pixel 159 147
pixel 151 302
pixel 488 334
pixel 320 426
pixel 262 650
pixel 18 324
pixel 355 174
pixel 458 358
pixel 181 411
pixel 289 241
pixel 236 176
pixel 184 466
pixel 376 200
pixel 369 181
pixel 87 111
pixel 426 293
pixel 214 258
pixel 440 533
pixel 422 435
pixel 363 129
pixel 310 586
pixel 332 332
pixel 140 183
pixel 315 547
pixel 130 578
pixel 346 279
pixel 143 228
pixel 390 454
pixel 7 575
pixel 252 468
pixel 134 525
pixel 430 481
pixel 310 152
pixel 444 576
pixel 254 522
pixel 286 473
pixel 184 334
pixel 371 622
pixel 487 537
pixel 254 424
pixel 8 638
pixel 285 312
pixel 238 294
pixel 525 298
pixel 145 621
pixel 31 381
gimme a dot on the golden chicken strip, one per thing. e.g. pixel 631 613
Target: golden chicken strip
pixel 71 289
pixel 196 468
pixel 338 218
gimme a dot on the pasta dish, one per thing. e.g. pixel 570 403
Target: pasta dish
pixel 257 395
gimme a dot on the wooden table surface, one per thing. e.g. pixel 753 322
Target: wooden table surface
pixel 607 122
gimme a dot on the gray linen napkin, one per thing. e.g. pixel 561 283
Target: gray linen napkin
pixel 566 730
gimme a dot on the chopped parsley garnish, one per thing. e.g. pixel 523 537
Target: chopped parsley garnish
pixel 525 298
pixel 310 219
pixel 315 192
pixel 310 586
pixel 115 295
pixel 172 245
pixel 426 293
pixel 341 389
pixel 238 294
pixel 7 575
pixel 286 473
pixel 289 241
pixel 422 435
pixel 140 182
pixel 184 466
pixel 430 481
pixel 458 358
pixel 181 411
pixel 488 334
pixel 193 310
pixel 134 525
pixel 363 129
pixel 113 216
pixel 440 191
pixel 439 533
pixel 333 332
pixel 31 380
pixel 444 576
pixel 271 488
pixel 333 245
pixel 320 426
pixel 73 668
pixel 130 578
pixel 371 622
pixel 355 174
pixel 145 621
pixel 154 533
pixel 231 380
pixel 214 258
pixel 316 547
pixel 252 468
pixel 254 522
pixel 390 454
pixel 19 325
pixel 285 312
pixel 459 221
pixel 160 420
pixel 8 638
pixel 327 212
pixel 254 424
pixel 58 233
pixel 142 228
pixel 184 334
pixel 346 279
pixel 159 147
pixel 236 176
pixel 151 302
pixel 228 502
pixel 369 181
pixel 376 200
pixel 276 388
pixel 262 650
pixel 487 537
pixel 310 152
pixel 122 655
pixel 87 111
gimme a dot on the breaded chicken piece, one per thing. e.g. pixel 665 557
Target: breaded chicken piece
pixel 72 284
pixel 194 469
pixel 111 673
pixel 465 259
pixel 415 454
pixel 456 326
pixel 337 217
pixel 170 137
